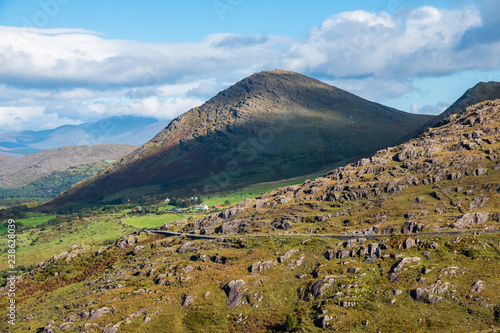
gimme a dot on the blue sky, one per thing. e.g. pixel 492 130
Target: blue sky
pixel 179 21
pixel 69 61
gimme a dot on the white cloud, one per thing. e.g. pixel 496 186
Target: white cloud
pixel 24 118
pixel 152 106
pixel 372 88
pixel 415 108
pixel 162 109
pixel 82 59
pixel 77 75
pixel 349 44
pixel 206 89
pixel 359 43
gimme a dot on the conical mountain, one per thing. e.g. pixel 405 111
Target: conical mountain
pixel 269 126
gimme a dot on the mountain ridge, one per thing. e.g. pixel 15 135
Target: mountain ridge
pixel 464 147
pixel 478 93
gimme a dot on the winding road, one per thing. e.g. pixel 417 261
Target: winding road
pixel 336 236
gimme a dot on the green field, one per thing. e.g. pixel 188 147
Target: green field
pixel 31 220
pixel 44 241
pixel 153 221
pixel 41 243
pixel 35 220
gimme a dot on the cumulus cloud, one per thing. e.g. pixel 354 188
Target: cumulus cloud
pixel 487 33
pixel 424 42
pixel 81 59
pixel 206 89
pixel 75 75
pixel 373 88
pixel 155 107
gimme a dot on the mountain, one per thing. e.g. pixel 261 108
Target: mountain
pixel 15 172
pixel 41 176
pixel 480 92
pixel 404 240
pixel 269 126
pixel 116 130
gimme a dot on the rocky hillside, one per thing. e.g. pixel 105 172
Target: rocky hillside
pixel 16 172
pixel 440 180
pixel 405 240
pixel 269 126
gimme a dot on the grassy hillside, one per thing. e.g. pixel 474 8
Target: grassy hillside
pixel 406 240
pixel 50 186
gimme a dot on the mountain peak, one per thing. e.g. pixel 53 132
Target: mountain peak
pixel 278 71
pixel 279 85
pixel 482 91
pixel 279 77
pixel 490 85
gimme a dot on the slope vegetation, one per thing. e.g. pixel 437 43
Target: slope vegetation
pixel 44 175
pixel 428 183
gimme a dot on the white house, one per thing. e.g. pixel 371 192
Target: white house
pixel 201 207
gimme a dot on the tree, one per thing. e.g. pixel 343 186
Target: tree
pixel 227 203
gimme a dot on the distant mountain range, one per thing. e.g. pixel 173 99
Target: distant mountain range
pixel 269 126
pixel 127 130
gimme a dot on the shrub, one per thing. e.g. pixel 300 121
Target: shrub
pixel 471 253
pixel 291 322
pixel 108 242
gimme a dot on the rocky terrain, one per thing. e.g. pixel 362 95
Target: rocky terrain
pixel 269 126
pixel 405 240
pixel 446 173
